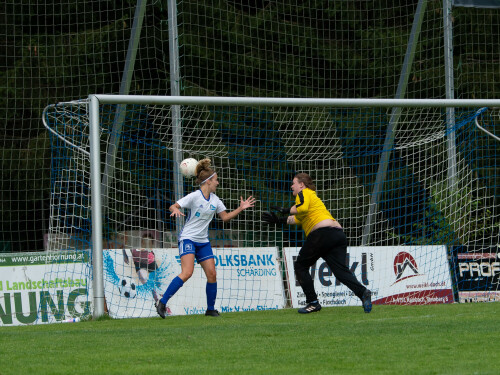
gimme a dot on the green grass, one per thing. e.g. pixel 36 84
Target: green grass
pixel 434 339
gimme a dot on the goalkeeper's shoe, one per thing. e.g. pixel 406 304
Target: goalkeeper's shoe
pixel 366 299
pixel 161 309
pixel 311 307
pixel 212 313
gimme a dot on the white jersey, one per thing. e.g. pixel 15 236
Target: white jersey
pixel 201 212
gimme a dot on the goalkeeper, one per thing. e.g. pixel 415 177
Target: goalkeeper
pixel 324 239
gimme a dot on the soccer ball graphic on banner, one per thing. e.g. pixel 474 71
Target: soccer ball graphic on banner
pixel 127 288
pixel 188 167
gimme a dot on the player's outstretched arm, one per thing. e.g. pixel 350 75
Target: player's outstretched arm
pixel 175 210
pixel 244 204
pixel 249 202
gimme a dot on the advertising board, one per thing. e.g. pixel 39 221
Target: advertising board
pixel 477 273
pixel 37 288
pixel 247 279
pixel 399 275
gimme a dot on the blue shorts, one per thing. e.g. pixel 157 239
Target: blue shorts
pixel 201 251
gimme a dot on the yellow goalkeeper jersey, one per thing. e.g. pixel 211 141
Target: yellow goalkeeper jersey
pixel 310 210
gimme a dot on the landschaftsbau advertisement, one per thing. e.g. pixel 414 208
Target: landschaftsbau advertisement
pixel 37 288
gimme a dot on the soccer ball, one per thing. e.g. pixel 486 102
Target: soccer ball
pixel 188 167
pixel 127 288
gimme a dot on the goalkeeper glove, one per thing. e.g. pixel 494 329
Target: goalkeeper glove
pixel 281 210
pixel 272 218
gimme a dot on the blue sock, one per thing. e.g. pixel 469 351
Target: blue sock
pixel 174 286
pixel 211 295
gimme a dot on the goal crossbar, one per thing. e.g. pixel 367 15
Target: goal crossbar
pixel 291 102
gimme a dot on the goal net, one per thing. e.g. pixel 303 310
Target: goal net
pixel 409 190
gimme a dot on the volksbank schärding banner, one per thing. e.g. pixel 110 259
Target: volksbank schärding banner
pixel 37 288
pixel 247 279
pixel 402 275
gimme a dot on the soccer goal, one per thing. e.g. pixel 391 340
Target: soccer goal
pixel 412 187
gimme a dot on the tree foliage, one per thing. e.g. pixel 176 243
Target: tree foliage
pixel 58 51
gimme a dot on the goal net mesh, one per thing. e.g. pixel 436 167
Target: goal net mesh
pixel 257 151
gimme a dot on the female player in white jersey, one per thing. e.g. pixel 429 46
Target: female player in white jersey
pixel 202 204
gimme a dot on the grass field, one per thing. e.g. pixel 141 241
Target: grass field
pixel 434 339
